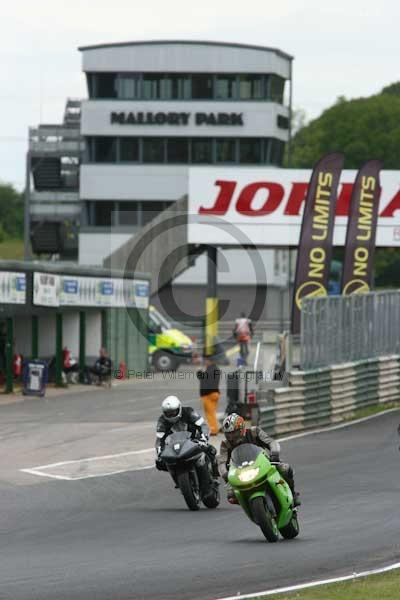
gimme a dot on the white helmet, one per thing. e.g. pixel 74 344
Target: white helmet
pixel 172 409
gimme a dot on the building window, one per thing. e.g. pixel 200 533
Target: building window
pixel 277 150
pixel 226 150
pixel 176 87
pixel 186 86
pixel 128 87
pixel 252 87
pixel 129 213
pixel 91 85
pixel 103 213
pixel 267 144
pixel 250 150
pixel 152 86
pixel 276 88
pixel 225 87
pixel 105 149
pixel 153 150
pixel 128 149
pixel 202 87
pixel 177 150
pixel 201 151
pixel 181 150
pixel 105 85
pixel 150 210
pixel 283 122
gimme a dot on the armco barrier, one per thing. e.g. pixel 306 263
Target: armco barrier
pixel 328 395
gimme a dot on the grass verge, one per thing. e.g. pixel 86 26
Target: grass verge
pixel 372 410
pixel 384 587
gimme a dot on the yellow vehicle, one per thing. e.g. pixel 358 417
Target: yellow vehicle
pixel 168 347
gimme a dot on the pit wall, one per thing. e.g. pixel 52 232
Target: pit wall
pixel 328 395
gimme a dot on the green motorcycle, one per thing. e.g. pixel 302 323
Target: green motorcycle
pixel 263 494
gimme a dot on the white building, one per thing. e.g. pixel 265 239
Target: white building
pixel 154 109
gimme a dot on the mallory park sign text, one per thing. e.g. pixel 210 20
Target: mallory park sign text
pixel 175 118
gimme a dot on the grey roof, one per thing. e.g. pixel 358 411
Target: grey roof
pixel 63 268
pixel 189 43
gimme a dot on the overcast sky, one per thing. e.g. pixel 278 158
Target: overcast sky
pixel 342 47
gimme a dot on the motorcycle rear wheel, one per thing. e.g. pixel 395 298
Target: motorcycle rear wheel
pixel 263 518
pixel 190 490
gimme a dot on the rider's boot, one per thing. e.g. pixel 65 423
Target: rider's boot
pixel 288 473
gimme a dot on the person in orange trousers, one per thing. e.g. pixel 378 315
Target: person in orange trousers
pixel 209 379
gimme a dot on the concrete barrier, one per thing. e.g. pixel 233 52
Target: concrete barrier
pixel 328 395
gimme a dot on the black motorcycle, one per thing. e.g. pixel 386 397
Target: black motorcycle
pixel 191 467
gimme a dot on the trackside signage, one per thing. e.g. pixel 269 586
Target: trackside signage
pixel 315 249
pixel 361 230
pixel 264 206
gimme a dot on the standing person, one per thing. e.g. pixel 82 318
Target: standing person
pixel 243 333
pixel 209 392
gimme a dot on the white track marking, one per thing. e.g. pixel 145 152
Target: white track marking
pixel 101 457
pixel 41 474
pixel 66 478
pixel 50 470
pixel 310 584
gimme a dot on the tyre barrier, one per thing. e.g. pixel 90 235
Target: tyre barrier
pixel 328 395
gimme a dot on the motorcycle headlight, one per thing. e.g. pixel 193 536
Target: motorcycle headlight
pixel 248 474
pixel 177 447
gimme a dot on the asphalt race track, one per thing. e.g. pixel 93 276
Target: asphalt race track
pixel 129 535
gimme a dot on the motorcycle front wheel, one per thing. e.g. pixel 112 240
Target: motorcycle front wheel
pixel 291 530
pixel 189 487
pixel 212 499
pixel 263 518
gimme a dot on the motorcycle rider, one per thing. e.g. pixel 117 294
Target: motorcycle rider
pixel 176 417
pixel 236 433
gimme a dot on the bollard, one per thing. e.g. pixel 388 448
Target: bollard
pixel 122 370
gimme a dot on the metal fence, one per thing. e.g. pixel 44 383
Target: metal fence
pixel 339 329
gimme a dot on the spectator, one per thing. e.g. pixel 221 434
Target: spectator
pixel 70 366
pixel 209 392
pixel 243 332
pixel 102 366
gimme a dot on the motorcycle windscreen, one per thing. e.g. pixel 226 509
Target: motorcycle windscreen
pixel 245 454
pixel 178 437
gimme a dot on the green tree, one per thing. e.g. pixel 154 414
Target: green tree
pixel 11 212
pixel 387 267
pixel 393 88
pixel 363 128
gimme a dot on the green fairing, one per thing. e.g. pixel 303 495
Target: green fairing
pixel 267 480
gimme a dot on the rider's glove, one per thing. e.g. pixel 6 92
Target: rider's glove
pixel 274 457
pixel 203 440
